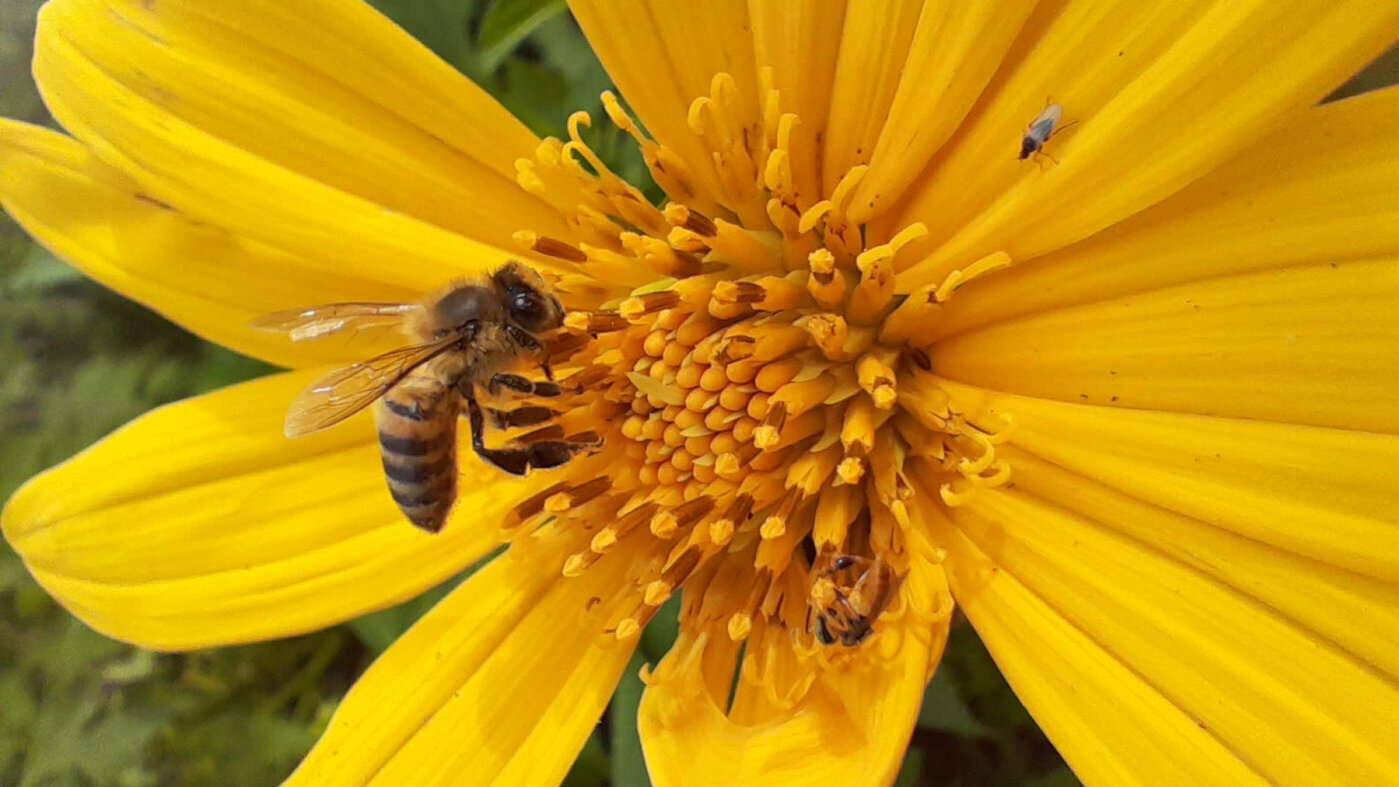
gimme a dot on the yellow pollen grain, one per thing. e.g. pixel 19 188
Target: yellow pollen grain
pixel 603 540
pixel 559 503
pixel 727 465
pixel 773 527
pixel 656 593
pixel 627 628
pixel 850 470
pixel 664 524
pixel 721 531
pixel 740 626
pixel 575 565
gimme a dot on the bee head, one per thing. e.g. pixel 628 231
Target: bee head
pixel 527 299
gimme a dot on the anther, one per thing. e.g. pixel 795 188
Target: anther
pixel 648 303
pixel 550 247
pixel 769 433
pixel 595 322
pixel 678 215
pixel 532 506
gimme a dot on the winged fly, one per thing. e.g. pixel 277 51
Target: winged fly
pixel 1040 130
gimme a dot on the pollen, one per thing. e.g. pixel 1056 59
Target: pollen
pixel 758 375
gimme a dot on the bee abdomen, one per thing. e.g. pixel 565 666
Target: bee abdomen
pixel 417 441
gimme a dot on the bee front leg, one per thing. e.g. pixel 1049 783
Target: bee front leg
pixel 518 458
pixel 522 385
pixel 527 341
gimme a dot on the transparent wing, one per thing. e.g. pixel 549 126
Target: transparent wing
pixel 313 322
pixel 344 392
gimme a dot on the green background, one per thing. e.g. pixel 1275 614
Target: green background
pixel 78 361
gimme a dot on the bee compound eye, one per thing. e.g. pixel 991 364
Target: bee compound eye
pixel 529 309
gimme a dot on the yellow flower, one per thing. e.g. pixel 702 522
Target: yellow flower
pixel 1133 407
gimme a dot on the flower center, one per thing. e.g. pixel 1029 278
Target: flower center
pixel 757 375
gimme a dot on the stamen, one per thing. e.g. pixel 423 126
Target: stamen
pixel 551 247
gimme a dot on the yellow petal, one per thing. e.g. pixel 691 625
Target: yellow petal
pixel 955 50
pixel 1305 345
pixel 219 182
pixel 1191 88
pixel 1207 682
pixel 199 524
pixel 1109 725
pixel 499 684
pixel 1326 195
pixel 800 43
pixel 1325 494
pixel 330 91
pixel 851 728
pixel 1356 612
pixel 663 56
pixel 201 276
pixel 873 50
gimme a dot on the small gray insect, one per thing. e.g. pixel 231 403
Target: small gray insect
pixel 1040 130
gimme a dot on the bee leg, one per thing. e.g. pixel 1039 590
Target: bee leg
pixel 527 341
pixel 519 458
pixel 528 415
pixel 522 385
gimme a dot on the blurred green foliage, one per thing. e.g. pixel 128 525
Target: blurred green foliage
pixel 79 709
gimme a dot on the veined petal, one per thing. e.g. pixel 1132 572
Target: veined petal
pixel 1327 195
pixel 1356 612
pixel 663 56
pixel 851 728
pixel 800 42
pixel 1204 82
pixel 218 182
pixel 499 684
pixel 1306 345
pixel 1109 725
pixel 872 54
pixel 330 91
pixel 1238 684
pixel 199 524
pixel 203 277
pixel 1324 494
pixel 954 52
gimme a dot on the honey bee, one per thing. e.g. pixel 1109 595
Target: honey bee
pixel 462 338
pixel 850 615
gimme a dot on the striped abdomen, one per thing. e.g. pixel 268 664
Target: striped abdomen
pixel 418 440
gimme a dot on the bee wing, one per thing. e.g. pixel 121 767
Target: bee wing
pixel 313 322
pixel 344 392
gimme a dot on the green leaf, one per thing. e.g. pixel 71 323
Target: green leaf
pixel 592 767
pixel 661 632
pixel 944 710
pixel 506 24
pixel 911 772
pixel 628 764
pixel 441 25
pixel 1060 777
pixel 39 270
